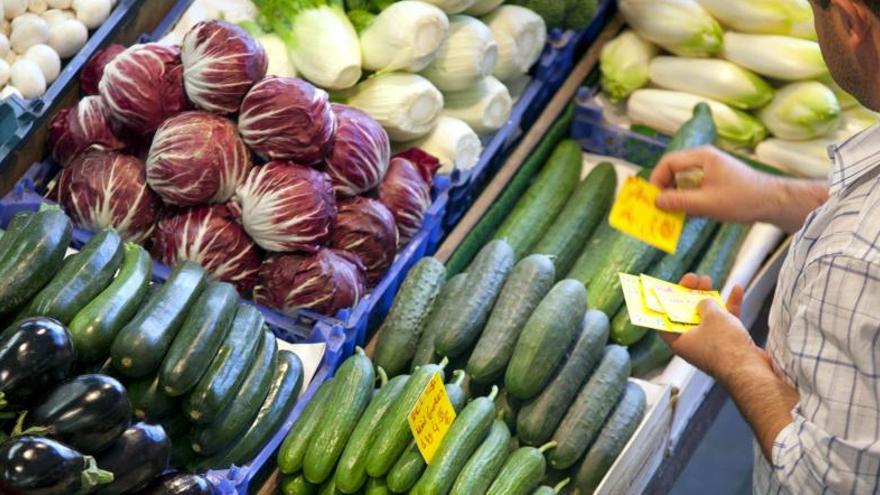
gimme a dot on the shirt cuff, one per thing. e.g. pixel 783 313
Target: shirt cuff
pixel 786 441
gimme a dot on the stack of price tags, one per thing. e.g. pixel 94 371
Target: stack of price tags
pixel 660 305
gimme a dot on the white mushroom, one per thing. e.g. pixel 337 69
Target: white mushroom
pixel 5 27
pixel 59 4
pixel 38 6
pixel 28 78
pixel 10 57
pixel 92 13
pixel 47 59
pixel 67 37
pixel 28 30
pixel 4 45
pixel 8 91
pixel 52 16
pixel 4 72
pixel 14 8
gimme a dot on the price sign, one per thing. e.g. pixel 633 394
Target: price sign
pixel 635 213
pixel 431 417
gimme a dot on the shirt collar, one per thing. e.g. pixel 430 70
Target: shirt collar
pixel 853 158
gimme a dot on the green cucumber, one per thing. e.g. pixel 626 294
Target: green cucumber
pixel 538 419
pixel 522 472
pixel 462 439
pixel 481 469
pixel 376 486
pixel 80 280
pixel 238 414
pixel 293 449
pixel 536 211
pixel 148 402
pixel 621 425
pixel 583 212
pixel 13 230
pixel 594 402
pixel 140 346
pixel 648 353
pixel 719 259
pixel 545 339
pixel 96 325
pixel 399 334
pixel 350 396
pixel 329 487
pixel 458 329
pixel 297 485
pixel 524 289
pixel 508 407
pixel 228 368
pixel 591 258
pixel 425 349
pixel 699 131
pixel 552 490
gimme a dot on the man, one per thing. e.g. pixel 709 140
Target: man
pixel 813 397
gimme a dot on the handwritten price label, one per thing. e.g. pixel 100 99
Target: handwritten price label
pixel 635 213
pixel 431 417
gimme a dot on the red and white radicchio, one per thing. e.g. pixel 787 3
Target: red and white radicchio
pixel 221 62
pixel 287 119
pixel 101 189
pixel 210 236
pixel 80 127
pixel 367 229
pixel 143 86
pixel 93 70
pixel 287 207
pixel 326 282
pixel 359 159
pixel 406 190
pixel 197 157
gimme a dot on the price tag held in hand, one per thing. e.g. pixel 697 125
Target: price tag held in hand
pixel 635 213
pixel 431 417
pixel 661 305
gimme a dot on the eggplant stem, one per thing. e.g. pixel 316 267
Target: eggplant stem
pixel 93 476
pixel 3 403
pixel 20 430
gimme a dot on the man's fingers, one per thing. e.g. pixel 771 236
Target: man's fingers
pixel 669 338
pixel 707 307
pixel 705 283
pixel 690 280
pixel 734 302
pixel 672 163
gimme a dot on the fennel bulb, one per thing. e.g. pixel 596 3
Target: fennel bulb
pixel 624 64
pixel 682 27
pixel 777 57
pixel 666 111
pixel 468 55
pixel 802 111
pixel 712 78
pixel 803 158
pixel 483 7
pixel 451 6
pixel 276 51
pixel 521 35
pixel 786 17
pixel 405 36
pixel 452 142
pixel 485 107
pixel 407 105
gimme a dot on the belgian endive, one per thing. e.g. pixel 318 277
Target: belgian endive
pixel 802 158
pixel 468 55
pixel 682 27
pixel 624 64
pixel 802 111
pixel 778 57
pixel 404 36
pixel 712 78
pixel 520 35
pixel 452 6
pixel 452 142
pixel 485 107
pixel 786 17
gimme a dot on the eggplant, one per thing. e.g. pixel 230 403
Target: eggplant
pixel 177 483
pixel 36 354
pixel 40 466
pixel 88 413
pixel 140 454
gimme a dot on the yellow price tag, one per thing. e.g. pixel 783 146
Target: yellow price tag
pixel 431 417
pixel 635 290
pixel 635 213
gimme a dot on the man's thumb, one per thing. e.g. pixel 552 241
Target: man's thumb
pixel 706 307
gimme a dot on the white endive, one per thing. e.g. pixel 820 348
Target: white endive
pixel 786 17
pixel 712 78
pixel 802 111
pixel 452 142
pixel 521 35
pixel 405 36
pixel 407 105
pixel 483 7
pixel 452 6
pixel 682 27
pixel 485 107
pixel 624 64
pixel 666 111
pixel 803 158
pixel 778 57
pixel 276 52
pixel 468 55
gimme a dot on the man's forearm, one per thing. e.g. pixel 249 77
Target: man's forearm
pixel 789 201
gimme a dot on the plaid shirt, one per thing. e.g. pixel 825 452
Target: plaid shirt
pixel 825 337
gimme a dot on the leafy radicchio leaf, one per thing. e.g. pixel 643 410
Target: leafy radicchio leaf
pixel 359 159
pixel 366 228
pixel 406 191
pixel 93 70
pixel 80 127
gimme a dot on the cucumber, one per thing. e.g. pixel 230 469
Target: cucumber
pixel 481 469
pixel 548 490
pixel 522 472
pixel 648 353
pixel 393 434
pixel 508 407
pixel 536 211
pixel 612 439
pixel 297 485
pixel 238 414
pixel 329 487
pixel 590 260
pixel 459 328
pixel 545 339
pixel 719 259
pixel 351 473
pixel 96 325
pixel 34 259
pixel 425 349
pixel 13 230
pixel 80 280
pixel 699 131
pixel 293 450
pixel 399 334
pixel 218 385
pixel 538 419
pixel 594 402
pixel 462 439
pixel 377 486
pixel 148 402
pixel 140 346
pixel 351 394
pixel 583 212
pixel 527 285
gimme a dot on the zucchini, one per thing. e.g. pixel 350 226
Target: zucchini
pixel 148 402
pixel 400 332
pixel 719 259
pixel 648 353
pixel 527 285
pixel 522 472
pixel 545 339
pixel 219 384
pixel 508 407
pixel 80 280
pixel 538 419
pixel 425 349
pixel 698 131
pixel 547 490
pixel 377 486
pixel 140 346
pixel 462 439
pixel 96 325
pixel 297 485
pixel 13 230
pixel 583 212
pixel 459 328
pixel 612 439
pixel 293 450
pixel 536 211
pixel 351 394
pixel 587 414
pixel 481 469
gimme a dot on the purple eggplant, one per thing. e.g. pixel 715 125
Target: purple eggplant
pixel 177 483
pixel 140 454
pixel 36 354
pixel 40 466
